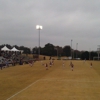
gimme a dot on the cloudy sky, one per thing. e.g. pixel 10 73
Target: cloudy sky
pixel 62 21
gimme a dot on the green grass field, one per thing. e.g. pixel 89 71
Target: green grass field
pixel 23 82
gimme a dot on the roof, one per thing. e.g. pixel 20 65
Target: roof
pixel 5 49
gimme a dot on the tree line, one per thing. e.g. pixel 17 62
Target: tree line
pixel 51 50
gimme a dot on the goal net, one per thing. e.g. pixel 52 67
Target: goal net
pixel 96 58
pixel 98 51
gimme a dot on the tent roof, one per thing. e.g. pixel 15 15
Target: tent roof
pixel 14 49
pixel 5 49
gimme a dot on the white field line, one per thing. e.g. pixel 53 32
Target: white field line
pixel 69 80
pixel 22 90
pixel 50 79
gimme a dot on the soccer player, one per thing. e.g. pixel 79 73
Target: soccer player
pixel 72 65
pixel 31 63
pixel 42 63
pixel 50 63
pixel 63 64
pixel 91 64
pixel 46 65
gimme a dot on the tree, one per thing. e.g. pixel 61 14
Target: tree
pixel 58 51
pixel 35 50
pixel 85 55
pixel 49 50
pixel 16 47
pixel 26 50
pixel 67 51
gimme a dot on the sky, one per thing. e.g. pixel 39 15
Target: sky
pixel 62 21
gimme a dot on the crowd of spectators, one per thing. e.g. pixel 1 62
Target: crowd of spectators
pixel 7 58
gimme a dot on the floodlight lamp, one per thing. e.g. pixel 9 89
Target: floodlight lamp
pixel 39 27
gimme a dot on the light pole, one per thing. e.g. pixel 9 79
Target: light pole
pixel 76 49
pixel 57 52
pixel 56 48
pixel 98 51
pixel 39 27
pixel 89 54
pixel 71 49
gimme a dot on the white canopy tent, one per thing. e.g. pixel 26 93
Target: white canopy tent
pixel 5 49
pixel 14 49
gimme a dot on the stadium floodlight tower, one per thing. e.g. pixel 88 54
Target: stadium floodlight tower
pixel 39 27
pixel 76 49
pixel 98 51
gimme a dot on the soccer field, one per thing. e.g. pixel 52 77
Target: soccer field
pixel 59 82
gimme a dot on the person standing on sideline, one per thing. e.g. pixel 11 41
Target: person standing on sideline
pixel 6 63
pixel 1 65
